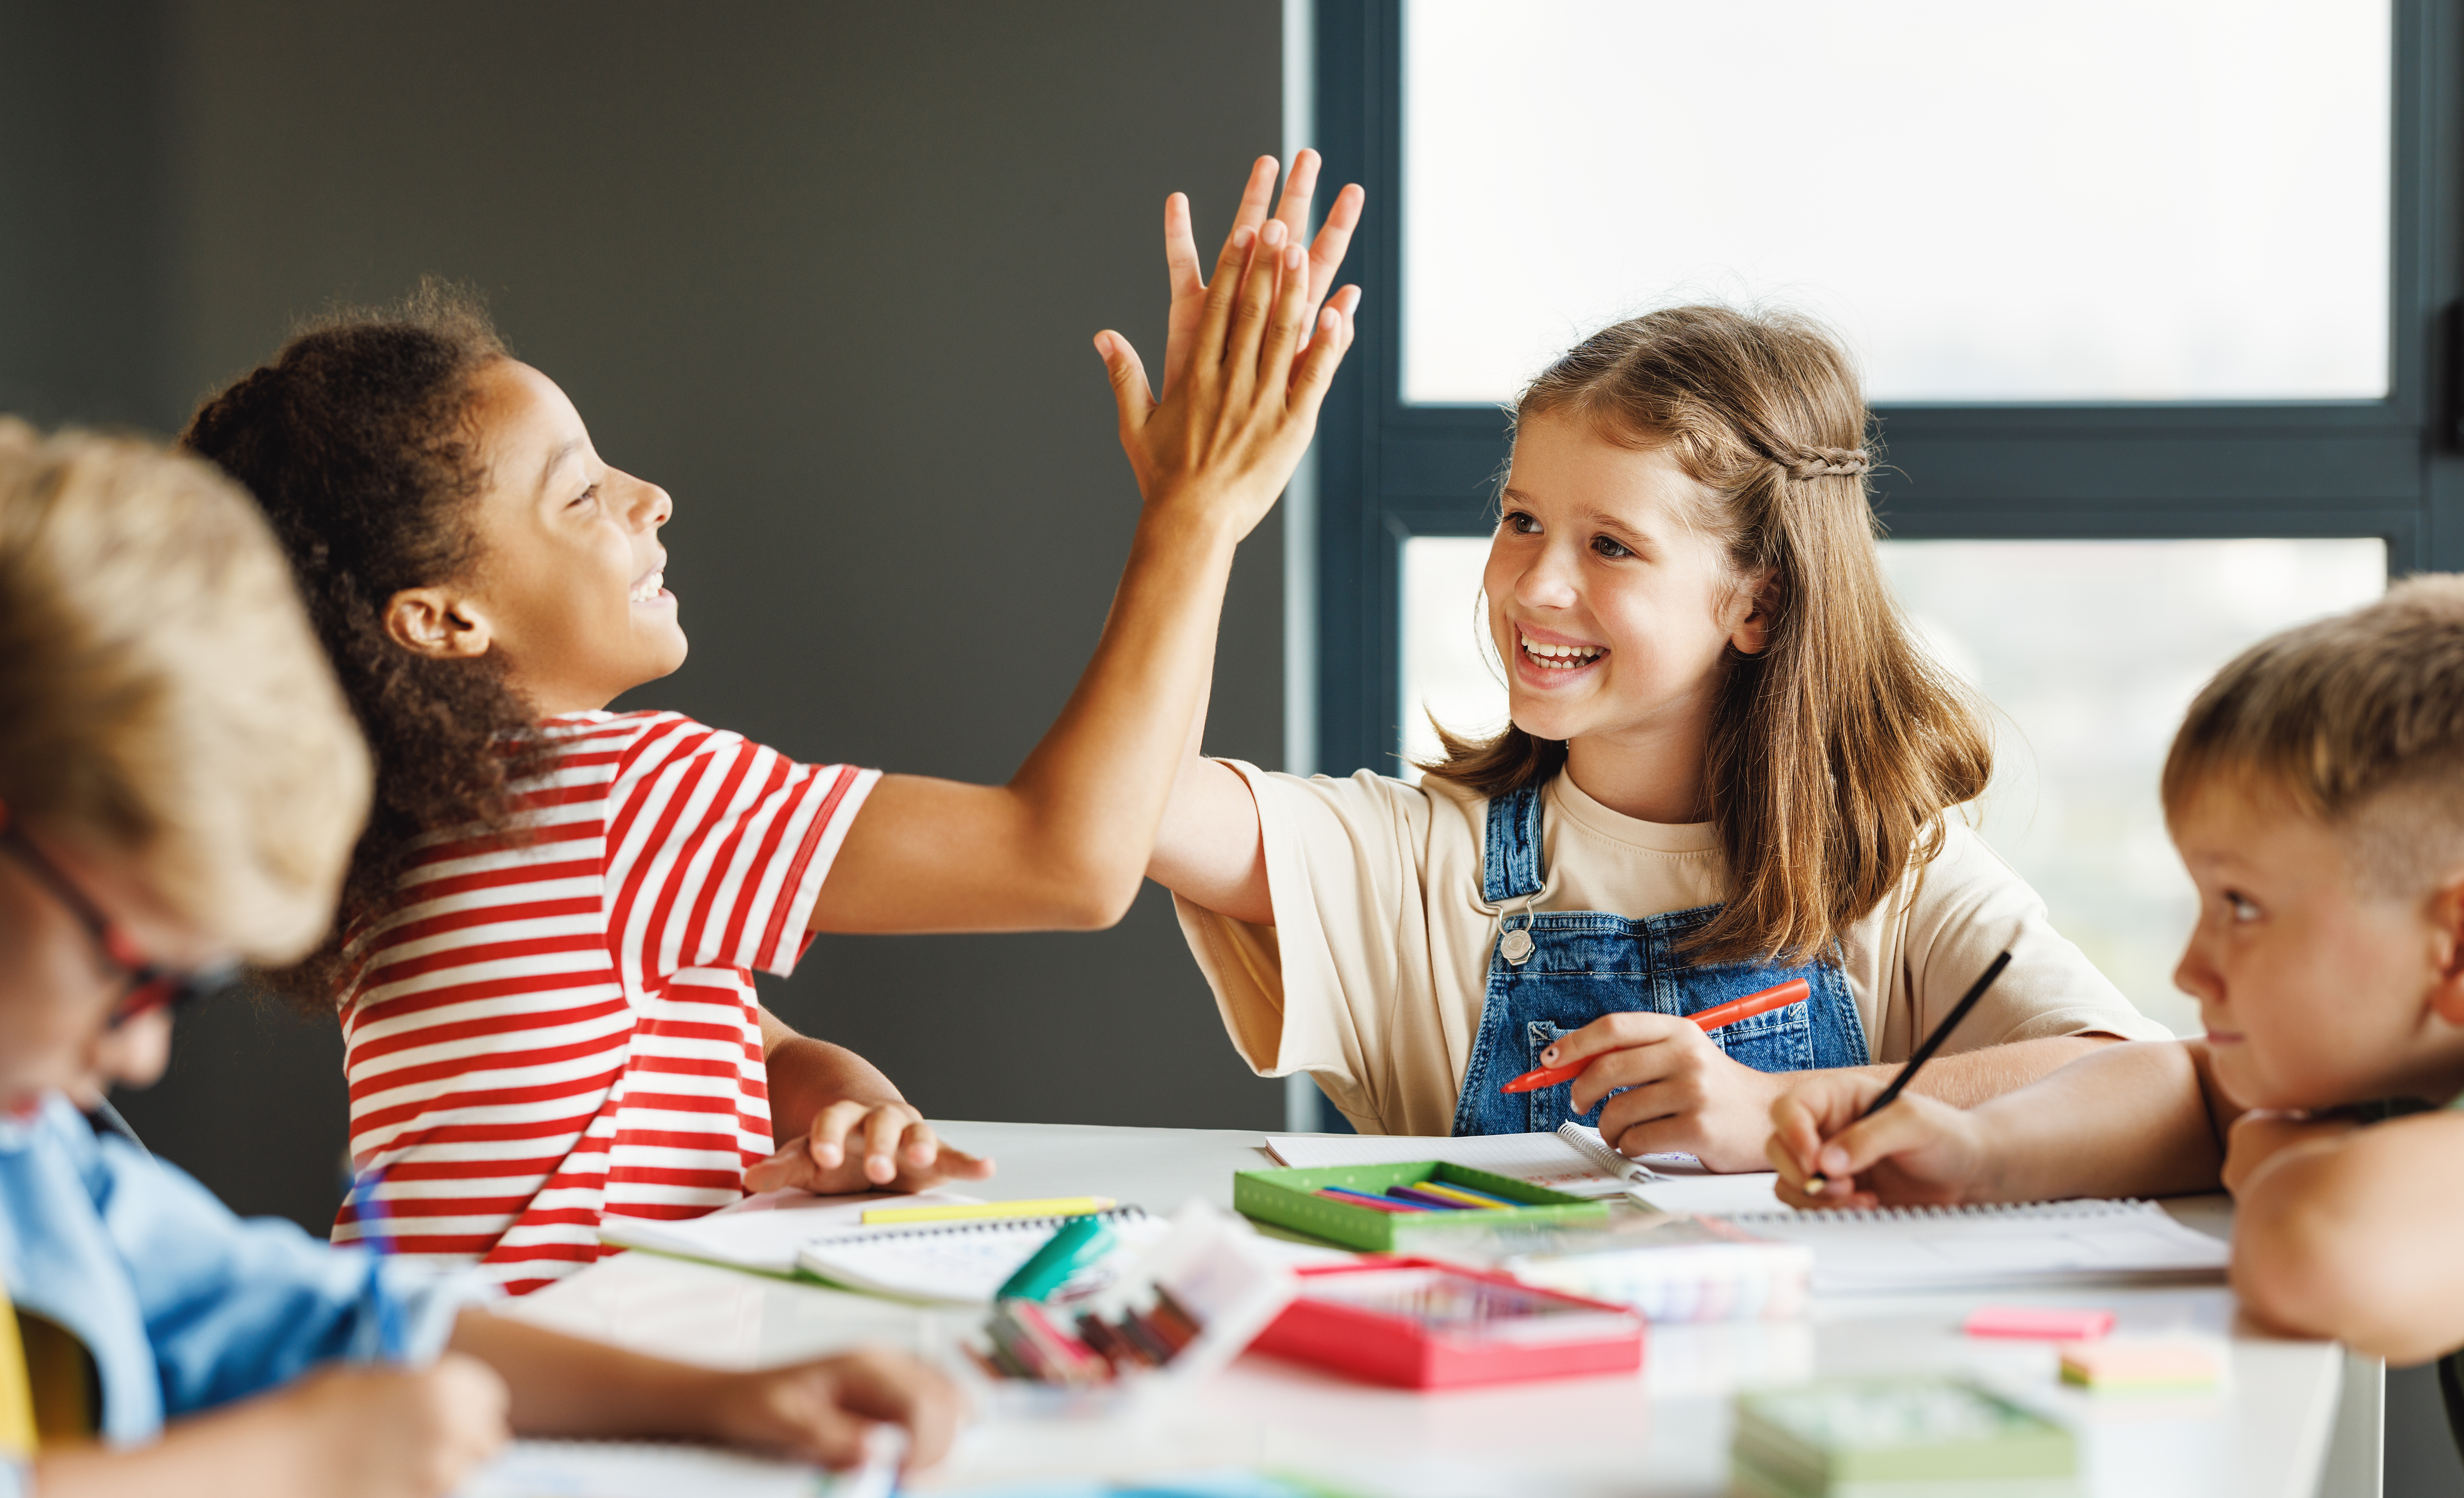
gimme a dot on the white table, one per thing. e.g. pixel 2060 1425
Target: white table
pixel 2269 1430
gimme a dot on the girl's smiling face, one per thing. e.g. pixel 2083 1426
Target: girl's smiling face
pixel 569 587
pixel 1612 609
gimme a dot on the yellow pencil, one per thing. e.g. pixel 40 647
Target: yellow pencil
pixel 961 1211
pixel 1467 1197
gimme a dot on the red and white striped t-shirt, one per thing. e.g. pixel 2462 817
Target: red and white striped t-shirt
pixel 541 1035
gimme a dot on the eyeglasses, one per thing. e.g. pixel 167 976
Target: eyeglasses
pixel 151 986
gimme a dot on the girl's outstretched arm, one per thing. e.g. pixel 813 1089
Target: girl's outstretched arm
pixel 1066 840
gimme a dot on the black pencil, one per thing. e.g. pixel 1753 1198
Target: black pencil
pixel 1925 1052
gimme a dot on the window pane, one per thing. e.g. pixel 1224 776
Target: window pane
pixel 2089 651
pixel 2101 200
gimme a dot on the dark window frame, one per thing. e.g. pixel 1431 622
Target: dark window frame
pixel 2392 468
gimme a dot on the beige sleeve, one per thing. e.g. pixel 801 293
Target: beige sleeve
pixel 1319 990
pixel 1966 907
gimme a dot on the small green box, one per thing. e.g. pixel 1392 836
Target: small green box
pixel 1285 1199
pixel 1874 1436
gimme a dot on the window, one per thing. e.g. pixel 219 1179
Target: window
pixel 2092 201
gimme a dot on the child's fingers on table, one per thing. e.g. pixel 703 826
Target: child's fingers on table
pixel 883 1129
pixel 918 1145
pixel 957 1163
pixel 826 1140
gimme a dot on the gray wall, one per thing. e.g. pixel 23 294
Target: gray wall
pixel 828 272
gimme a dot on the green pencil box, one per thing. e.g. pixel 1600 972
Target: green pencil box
pixel 1284 1197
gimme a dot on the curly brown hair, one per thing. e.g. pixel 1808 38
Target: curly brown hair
pixel 357 440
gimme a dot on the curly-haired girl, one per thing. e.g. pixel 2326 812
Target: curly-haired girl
pixel 543 963
pixel 1730 768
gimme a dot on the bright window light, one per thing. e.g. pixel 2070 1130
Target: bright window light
pixel 2100 200
pixel 2089 652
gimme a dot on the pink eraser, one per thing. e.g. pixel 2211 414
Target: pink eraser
pixel 2174 1363
pixel 2043 1322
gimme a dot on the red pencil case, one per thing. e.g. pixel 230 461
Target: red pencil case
pixel 1423 1325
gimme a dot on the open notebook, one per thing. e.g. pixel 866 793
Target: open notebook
pixel 1893 1249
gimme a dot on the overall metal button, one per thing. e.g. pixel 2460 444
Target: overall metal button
pixel 1517 946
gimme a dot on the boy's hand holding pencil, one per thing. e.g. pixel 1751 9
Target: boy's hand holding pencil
pixel 1829 1152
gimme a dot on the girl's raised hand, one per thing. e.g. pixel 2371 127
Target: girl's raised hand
pixel 1183 269
pixel 1220 446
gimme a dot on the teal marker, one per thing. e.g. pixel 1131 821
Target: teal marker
pixel 1078 1242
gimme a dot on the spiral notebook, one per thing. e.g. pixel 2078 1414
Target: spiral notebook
pixel 962 1263
pixel 1892 1248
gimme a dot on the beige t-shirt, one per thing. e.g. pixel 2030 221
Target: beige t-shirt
pixel 1373 977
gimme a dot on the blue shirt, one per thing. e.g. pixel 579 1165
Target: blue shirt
pixel 183 1305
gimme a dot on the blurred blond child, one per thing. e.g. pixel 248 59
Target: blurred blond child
pixel 180 787
pixel 2316 793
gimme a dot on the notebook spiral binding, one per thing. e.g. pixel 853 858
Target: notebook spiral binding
pixel 2034 1210
pixel 982 1225
pixel 1601 1155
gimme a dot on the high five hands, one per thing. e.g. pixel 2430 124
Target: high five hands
pixel 1247 356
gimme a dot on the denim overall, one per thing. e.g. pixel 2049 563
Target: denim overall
pixel 1553 972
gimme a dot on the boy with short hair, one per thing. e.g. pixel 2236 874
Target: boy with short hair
pixel 2316 793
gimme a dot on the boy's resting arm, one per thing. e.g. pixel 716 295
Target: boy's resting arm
pixel 2356 1238
pixel 371 1432
pixel 816 1411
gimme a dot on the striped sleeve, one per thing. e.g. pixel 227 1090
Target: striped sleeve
pixel 716 849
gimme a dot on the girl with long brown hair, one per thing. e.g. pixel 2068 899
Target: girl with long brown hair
pixel 1729 766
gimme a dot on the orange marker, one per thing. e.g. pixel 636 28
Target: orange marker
pixel 1780 996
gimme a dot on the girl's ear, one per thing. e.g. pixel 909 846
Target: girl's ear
pixel 434 622
pixel 1753 611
